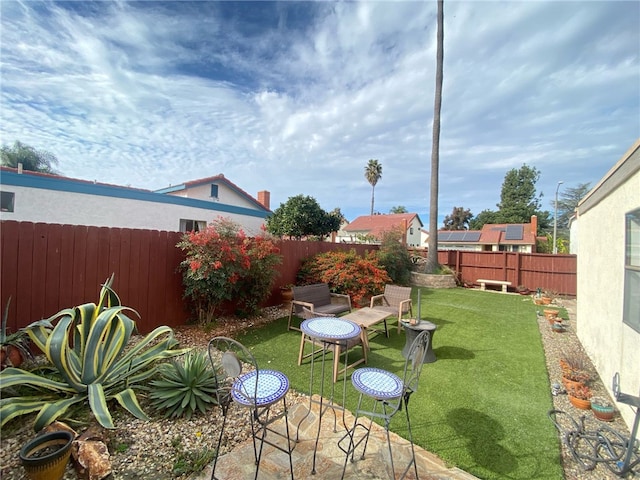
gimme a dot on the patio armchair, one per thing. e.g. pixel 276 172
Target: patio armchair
pixel 319 299
pixel 395 299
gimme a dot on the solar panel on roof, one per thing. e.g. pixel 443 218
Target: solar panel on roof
pixel 458 236
pixel 514 232
pixel 471 236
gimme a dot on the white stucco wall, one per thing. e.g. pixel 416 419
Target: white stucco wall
pixel 51 206
pixel 611 345
pixel 225 195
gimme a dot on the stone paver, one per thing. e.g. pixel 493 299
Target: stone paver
pixel 239 463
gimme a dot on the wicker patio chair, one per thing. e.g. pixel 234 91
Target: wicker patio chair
pixel 395 299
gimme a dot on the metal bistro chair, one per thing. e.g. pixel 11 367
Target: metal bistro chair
pixel 389 392
pixel 239 380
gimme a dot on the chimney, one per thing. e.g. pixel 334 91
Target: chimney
pixel 534 225
pixel 264 197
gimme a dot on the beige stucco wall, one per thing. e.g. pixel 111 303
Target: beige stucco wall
pixel 611 345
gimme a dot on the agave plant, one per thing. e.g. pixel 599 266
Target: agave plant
pixel 86 348
pixel 184 386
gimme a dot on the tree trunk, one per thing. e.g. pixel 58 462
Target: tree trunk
pixel 432 257
pixel 373 189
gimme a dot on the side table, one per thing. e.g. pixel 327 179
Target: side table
pixel 412 331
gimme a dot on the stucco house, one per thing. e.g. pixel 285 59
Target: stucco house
pixel 38 197
pixel 494 237
pixel 608 271
pixel 370 228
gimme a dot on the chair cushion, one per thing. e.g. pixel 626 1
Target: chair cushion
pixel 272 386
pixel 332 308
pixel 377 383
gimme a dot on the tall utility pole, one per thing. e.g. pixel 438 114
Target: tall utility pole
pixel 555 220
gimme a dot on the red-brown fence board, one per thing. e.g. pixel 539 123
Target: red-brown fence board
pixel 48 267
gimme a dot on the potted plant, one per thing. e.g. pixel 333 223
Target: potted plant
pixel 580 396
pixel 602 408
pixel 287 294
pixel 557 326
pixel 574 366
pixel 14 347
pixel 45 457
pixel 522 290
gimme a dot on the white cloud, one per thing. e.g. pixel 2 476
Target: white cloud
pixel 296 97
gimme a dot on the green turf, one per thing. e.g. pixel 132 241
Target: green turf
pixel 482 405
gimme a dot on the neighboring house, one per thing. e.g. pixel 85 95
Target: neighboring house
pixel 370 228
pixel 608 275
pixel 494 237
pixel 40 197
pixel 424 238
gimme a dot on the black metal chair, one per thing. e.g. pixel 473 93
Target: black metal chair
pixel 240 381
pixel 389 392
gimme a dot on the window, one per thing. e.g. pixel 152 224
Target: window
pixel 214 190
pixel 631 312
pixel 7 201
pixel 411 231
pixel 192 225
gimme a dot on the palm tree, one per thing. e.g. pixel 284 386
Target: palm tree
pixel 432 256
pixel 373 172
pixel 30 158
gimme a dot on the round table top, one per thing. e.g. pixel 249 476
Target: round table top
pixel 422 325
pixel 330 328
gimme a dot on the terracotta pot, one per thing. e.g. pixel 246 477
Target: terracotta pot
pixel 580 403
pixel 287 296
pixel 605 414
pixel 45 457
pixel 11 356
pixel 569 384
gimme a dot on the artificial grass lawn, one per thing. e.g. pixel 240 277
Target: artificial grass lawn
pixel 482 405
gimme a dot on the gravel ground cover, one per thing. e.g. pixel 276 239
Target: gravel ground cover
pixel 151 450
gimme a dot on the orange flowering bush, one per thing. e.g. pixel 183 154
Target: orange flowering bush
pixel 223 265
pixel 347 273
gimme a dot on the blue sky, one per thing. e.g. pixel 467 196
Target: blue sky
pixel 295 98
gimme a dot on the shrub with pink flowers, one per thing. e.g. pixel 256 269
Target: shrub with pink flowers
pixel 346 273
pixel 225 267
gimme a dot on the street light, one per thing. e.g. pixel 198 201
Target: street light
pixel 555 220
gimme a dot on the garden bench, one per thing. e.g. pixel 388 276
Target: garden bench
pixel 319 300
pixel 483 283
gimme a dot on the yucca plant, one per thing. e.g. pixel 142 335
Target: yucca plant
pixel 184 386
pixel 86 348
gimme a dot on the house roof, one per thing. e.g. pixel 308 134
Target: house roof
pixel 376 225
pixel 492 234
pixel 217 179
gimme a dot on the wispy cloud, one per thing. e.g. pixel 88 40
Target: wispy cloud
pixel 296 97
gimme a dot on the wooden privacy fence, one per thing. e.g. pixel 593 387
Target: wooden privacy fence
pixel 48 267
pixel 556 273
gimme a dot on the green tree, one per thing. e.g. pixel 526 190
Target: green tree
pixel 302 216
pixel 30 158
pixel 373 173
pixel 395 258
pixel 398 209
pixel 458 220
pixel 432 255
pixel 568 201
pixel 518 201
pixel 485 216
